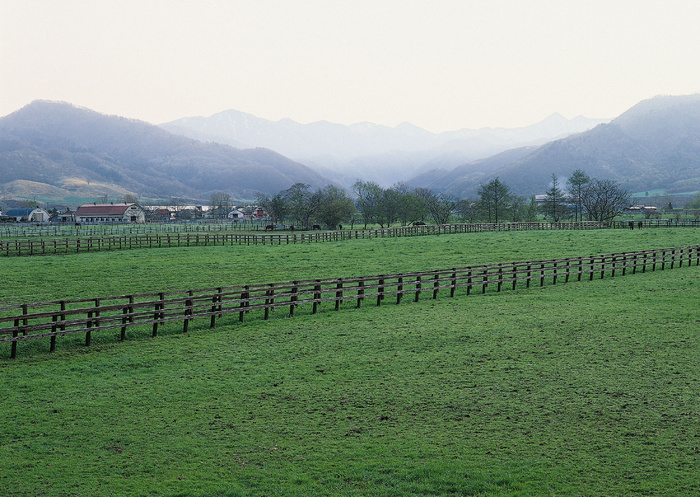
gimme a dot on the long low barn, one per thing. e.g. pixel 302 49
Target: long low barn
pixel 110 213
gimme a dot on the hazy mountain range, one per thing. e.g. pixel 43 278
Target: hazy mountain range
pixel 57 150
pixel 369 151
pixel 653 145
pixel 52 150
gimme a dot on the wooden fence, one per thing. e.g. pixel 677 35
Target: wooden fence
pixel 27 247
pixel 49 320
pixel 23 230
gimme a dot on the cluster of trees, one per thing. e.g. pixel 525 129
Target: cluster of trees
pixel 401 203
pixel 329 206
pixel 599 200
pixel 584 197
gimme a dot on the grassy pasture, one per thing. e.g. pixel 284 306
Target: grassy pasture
pixel 42 278
pixel 587 388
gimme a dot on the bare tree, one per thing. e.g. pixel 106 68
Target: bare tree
pixel 368 197
pixel 604 199
pixel 275 206
pixel 333 206
pixel 440 207
pixel 130 198
pixel 300 203
pixel 220 203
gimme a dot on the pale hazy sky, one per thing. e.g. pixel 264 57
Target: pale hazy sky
pixel 439 64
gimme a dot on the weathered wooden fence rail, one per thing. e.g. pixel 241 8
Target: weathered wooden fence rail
pixel 28 247
pixel 48 320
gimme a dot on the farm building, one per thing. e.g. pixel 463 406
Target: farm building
pixel 110 213
pixel 26 215
pixel 236 214
pixel 66 217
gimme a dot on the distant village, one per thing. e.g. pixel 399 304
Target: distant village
pixel 125 213
pixel 133 213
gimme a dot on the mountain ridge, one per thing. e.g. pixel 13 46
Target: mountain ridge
pixel 653 145
pixel 57 143
pixel 359 151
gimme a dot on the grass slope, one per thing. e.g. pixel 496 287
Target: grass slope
pixel 587 388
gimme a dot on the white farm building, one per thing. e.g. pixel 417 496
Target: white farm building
pixel 26 215
pixel 110 213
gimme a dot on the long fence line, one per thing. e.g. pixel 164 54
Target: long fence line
pixel 19 230
pixel 28 247
pixel 48 320
pixel 24 230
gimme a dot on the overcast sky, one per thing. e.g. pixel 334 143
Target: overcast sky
pixel 439 64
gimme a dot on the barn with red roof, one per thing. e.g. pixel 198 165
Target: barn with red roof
pixel 110 213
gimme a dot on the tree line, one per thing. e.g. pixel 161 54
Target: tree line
pixel 585 198
pixel 371 204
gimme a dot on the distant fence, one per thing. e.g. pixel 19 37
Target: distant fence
pixel 159 240
pixel 49 320
pixel 33 230
pixel 20 230
pixel 656 223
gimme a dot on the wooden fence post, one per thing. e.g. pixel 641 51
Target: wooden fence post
pixel 436 285
pixel 269 301
pixel 380 291
pixel 294 298
pixel 52 347
pixel 418 287
pixel 338 294
pixel 245 302
pixel 126 311
pixel 360 292
pixel 453 286
pixel 157 315
pixel 317 296
pixel 399 290
pixel 542 266
pixel 188 312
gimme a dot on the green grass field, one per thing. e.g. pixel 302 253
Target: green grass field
pixel 586 388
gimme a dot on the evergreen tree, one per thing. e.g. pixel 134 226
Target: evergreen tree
pixel 576 185
pixel 554 201
pixel 494 200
